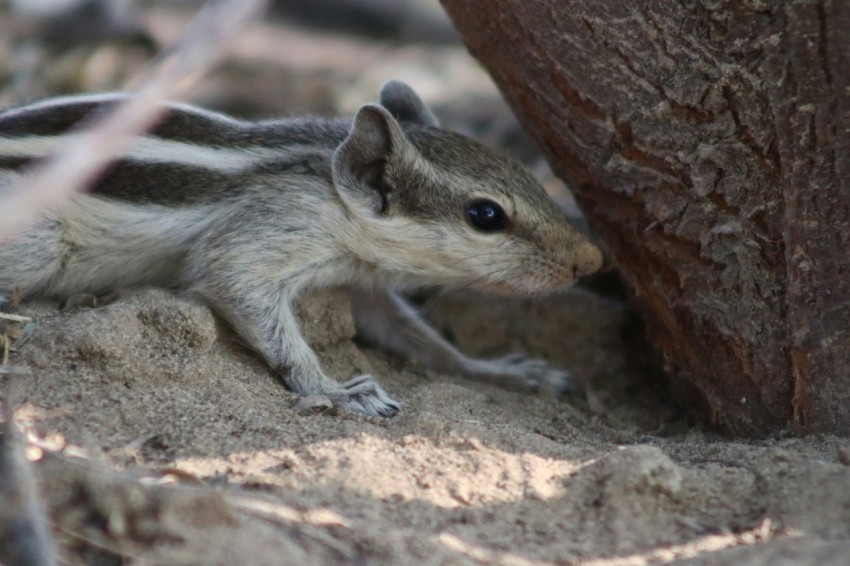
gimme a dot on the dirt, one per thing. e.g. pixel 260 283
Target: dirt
pixel 158 438
pixel 164 439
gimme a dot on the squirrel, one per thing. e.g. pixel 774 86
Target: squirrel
pixel 249 215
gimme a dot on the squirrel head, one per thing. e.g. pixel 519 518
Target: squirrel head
pixel 433 206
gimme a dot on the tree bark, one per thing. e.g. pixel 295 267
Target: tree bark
pixel 708 144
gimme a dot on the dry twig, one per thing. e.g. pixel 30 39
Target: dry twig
pixel 80 159
pixel 24 536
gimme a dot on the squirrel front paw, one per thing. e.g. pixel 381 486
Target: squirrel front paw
pixel 363 395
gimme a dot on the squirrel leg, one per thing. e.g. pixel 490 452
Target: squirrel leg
pixel 386 320
pixel 265 319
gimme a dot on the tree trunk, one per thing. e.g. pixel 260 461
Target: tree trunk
pixel 708 143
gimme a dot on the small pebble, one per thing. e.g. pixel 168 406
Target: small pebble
pixel 314 404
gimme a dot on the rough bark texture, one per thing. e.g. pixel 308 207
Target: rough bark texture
pixel 709 146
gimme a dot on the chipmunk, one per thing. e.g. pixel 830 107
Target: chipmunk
pixel 251 214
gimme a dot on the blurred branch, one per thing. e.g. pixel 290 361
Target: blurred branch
pixel 83 156
pixel 24 536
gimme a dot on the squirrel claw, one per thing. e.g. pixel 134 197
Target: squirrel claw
pixel 538 374
pixel 520 373
pixel 363 395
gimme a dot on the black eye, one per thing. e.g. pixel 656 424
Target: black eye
pixel 486 215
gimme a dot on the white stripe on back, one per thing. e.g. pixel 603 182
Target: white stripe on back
pixel 148 149
pixel 99 98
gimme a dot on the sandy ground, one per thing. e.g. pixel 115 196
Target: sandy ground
pixel 164 441
pixel 173 444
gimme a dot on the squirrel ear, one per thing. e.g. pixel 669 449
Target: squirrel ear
pixel 405 104
pixel 359 162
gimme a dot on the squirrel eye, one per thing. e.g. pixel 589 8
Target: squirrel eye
pixel 486 216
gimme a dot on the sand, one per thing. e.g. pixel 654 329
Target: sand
pixel 165 440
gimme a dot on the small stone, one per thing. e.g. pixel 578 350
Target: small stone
pixel 80 301
pixel 314 404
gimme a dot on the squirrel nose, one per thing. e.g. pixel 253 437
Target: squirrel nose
pixel 588 259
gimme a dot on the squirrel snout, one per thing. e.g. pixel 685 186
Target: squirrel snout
pixel 588 259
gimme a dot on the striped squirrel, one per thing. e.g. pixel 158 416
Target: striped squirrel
pixel 251 214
